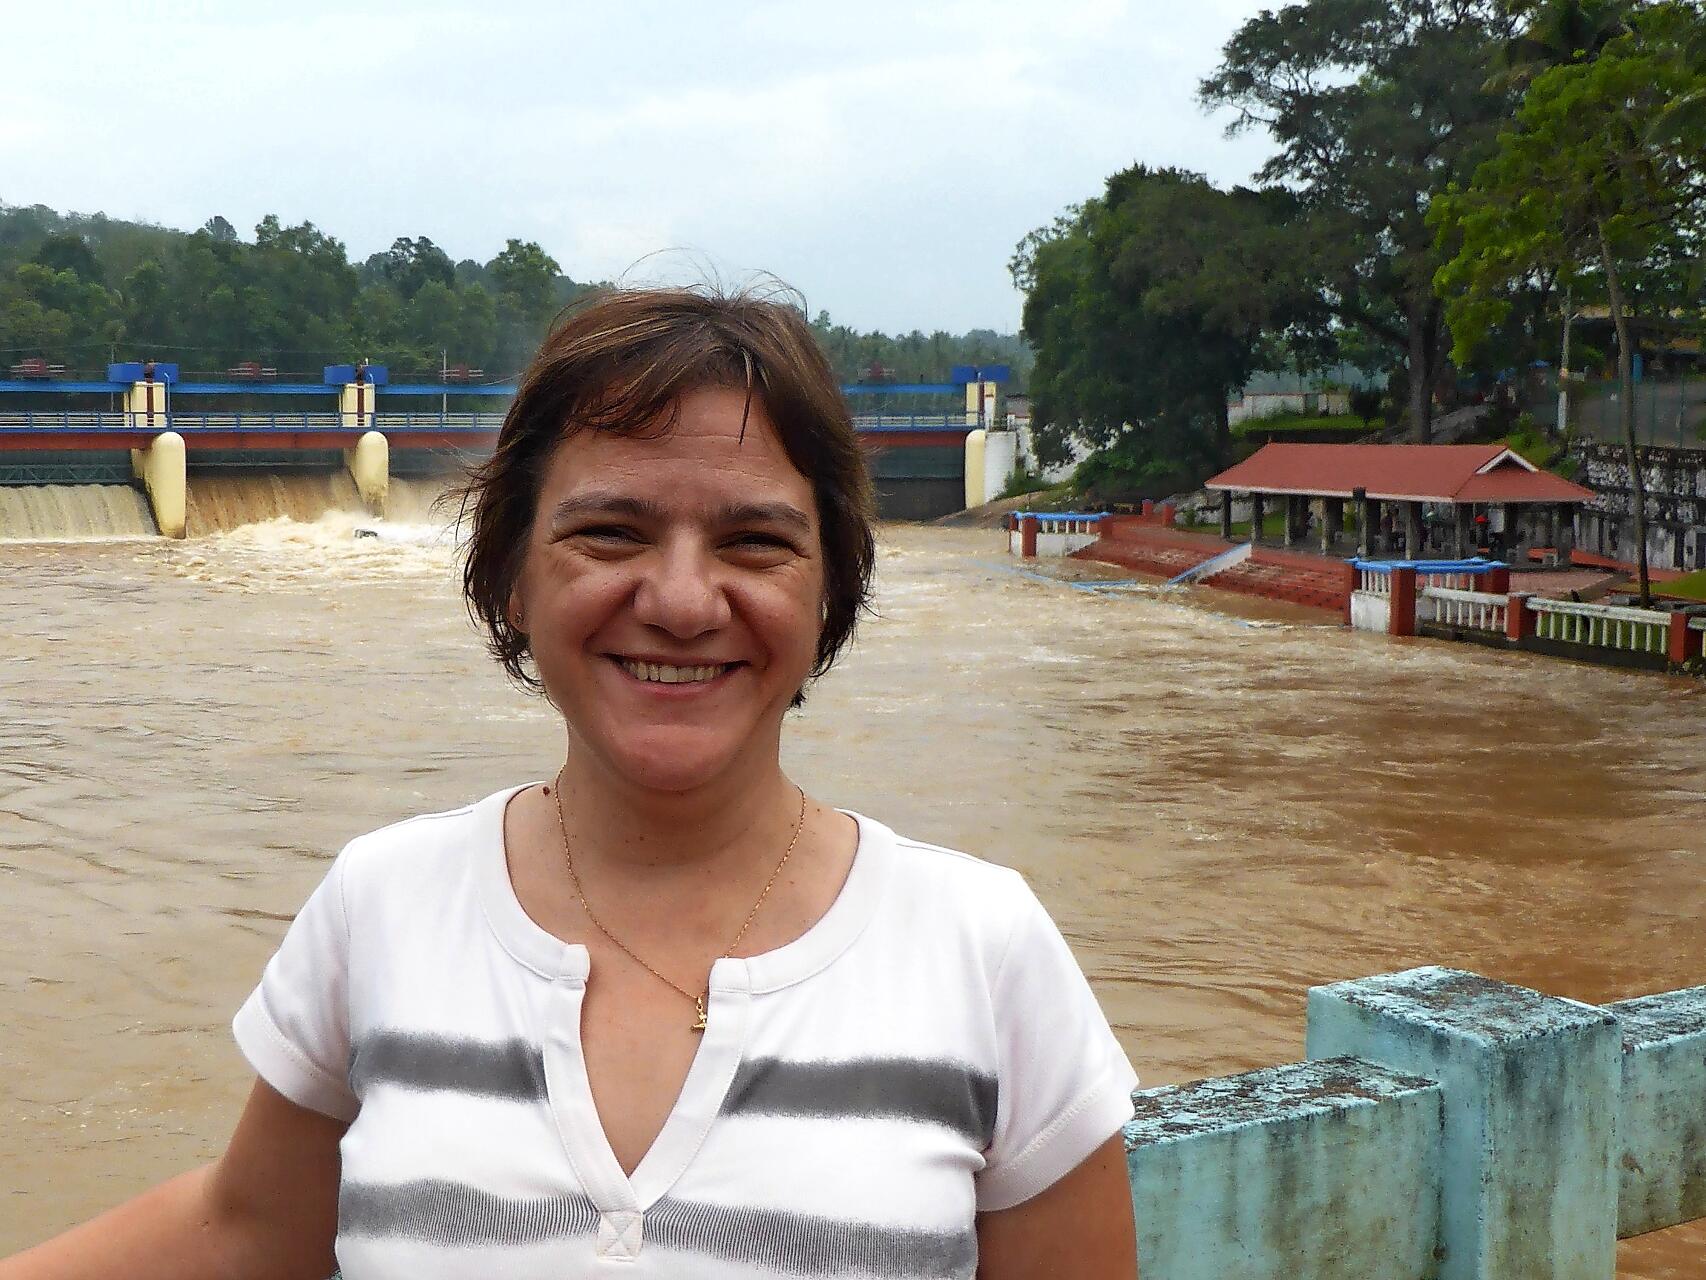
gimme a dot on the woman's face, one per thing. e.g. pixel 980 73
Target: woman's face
pixel 672 593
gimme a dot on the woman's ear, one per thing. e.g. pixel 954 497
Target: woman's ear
pixel 513 613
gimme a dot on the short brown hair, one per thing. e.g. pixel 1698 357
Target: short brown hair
pixel 621 361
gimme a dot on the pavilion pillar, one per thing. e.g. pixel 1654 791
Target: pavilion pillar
pixel 1413 548
pixel 1566 540
pixel 1226 515
pixel 1332 522
pixel 1367 517
pixel 1461 515
pixel 1510 516
pixel 1292 532
pixel 1256 514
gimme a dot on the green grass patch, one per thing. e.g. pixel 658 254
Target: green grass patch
pixel 1690 587
pixel 1533 444
pixel 1284 424
pixel 1273 526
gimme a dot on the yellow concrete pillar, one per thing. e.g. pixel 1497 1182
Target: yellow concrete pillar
pixel 146 403
pixel 162 468
pixel 980 403
pixel 975 496
pixel 370 464
pixel 355 404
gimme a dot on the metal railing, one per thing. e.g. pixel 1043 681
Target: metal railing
pixel 1456 607
pixel 436 421
pixel 913 422
pixel 69 420
pixel 1606 626
pixel 255 422
pixel 60 421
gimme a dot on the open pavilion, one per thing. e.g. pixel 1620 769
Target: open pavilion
pixel 1409 499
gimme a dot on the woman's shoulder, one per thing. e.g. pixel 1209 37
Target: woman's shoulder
pixel 424 841
pixel 952 879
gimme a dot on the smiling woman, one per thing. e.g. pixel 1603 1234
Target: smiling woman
pixel 665 1011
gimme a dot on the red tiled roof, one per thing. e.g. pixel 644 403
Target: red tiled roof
pixel 1403 472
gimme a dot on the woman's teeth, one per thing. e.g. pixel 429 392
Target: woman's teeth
pixel 659 673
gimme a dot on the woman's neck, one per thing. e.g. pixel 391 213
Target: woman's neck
pixel 749 814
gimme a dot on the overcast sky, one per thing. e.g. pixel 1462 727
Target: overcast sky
pixel 883 158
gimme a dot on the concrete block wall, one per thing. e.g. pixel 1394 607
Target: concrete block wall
pixel 1445 1127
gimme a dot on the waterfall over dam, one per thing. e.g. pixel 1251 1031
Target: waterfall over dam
pixel 218 502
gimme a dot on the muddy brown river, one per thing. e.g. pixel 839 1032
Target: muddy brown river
pixel 1222 802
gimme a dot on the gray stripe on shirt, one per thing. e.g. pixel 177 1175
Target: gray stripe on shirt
pixel 935 1091
pixel 509 1069
pixel 453 1215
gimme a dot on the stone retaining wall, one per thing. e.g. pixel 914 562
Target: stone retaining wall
pixel 1675 484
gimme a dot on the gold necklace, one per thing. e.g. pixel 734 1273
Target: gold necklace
pixel 575 880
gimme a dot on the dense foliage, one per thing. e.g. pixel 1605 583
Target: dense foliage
pixel 1148 306
pixel 1148 301
pixel 78 290
pixel 1599 184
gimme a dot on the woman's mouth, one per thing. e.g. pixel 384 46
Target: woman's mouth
pixel 666 673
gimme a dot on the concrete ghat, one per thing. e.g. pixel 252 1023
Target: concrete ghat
pixel 1662 1130
pixel 1328 1169
pixel 1447 1127
pixel 1531 1087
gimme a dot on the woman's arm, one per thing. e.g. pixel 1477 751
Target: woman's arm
pixel 265 1210
pixel 1081 1228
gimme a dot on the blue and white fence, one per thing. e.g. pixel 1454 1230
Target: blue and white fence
pixel 1051 533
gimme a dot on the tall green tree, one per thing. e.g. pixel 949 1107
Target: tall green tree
pixel 1376 106
pixel 1592 183
pixel 1147 308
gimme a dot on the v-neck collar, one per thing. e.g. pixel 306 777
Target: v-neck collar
pixel 551 957
pixel 733 983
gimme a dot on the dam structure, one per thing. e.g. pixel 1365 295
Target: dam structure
pixel 154 459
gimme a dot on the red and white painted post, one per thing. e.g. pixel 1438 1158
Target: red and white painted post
pixel 1678 637
pixel 1028 527
pixel 1401 618
pixel 1519 618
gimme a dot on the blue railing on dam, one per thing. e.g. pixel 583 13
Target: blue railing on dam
pixel 58 422
pixel 61 420
pixel 1445 1127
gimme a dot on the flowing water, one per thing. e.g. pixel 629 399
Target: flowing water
pixel 1222 802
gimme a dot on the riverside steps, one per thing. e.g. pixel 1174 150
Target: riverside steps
pixel 1444 1126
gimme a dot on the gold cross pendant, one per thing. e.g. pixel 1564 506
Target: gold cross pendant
pixel 699 1003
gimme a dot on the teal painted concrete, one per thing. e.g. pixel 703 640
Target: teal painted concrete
pixel 1662 1129
pixel 1328 1170
pixel 1530 1087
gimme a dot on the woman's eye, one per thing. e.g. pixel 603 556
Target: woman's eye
pixel 761 541
pixel 610 534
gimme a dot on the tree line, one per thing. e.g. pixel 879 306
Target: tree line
pixel 78 289
pixel 1452 179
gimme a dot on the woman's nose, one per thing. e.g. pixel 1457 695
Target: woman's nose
pixel 681 591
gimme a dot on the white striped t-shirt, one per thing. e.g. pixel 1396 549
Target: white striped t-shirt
pixel 927 1050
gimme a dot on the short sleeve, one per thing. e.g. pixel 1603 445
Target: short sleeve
pixel 1064 1082
pixel 294 1027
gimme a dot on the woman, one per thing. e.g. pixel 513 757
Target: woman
pixel 662 1014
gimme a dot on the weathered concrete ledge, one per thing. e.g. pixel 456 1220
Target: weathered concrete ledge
pixel 1446 1127
pixel 1662 1129
pixel 1336 1162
